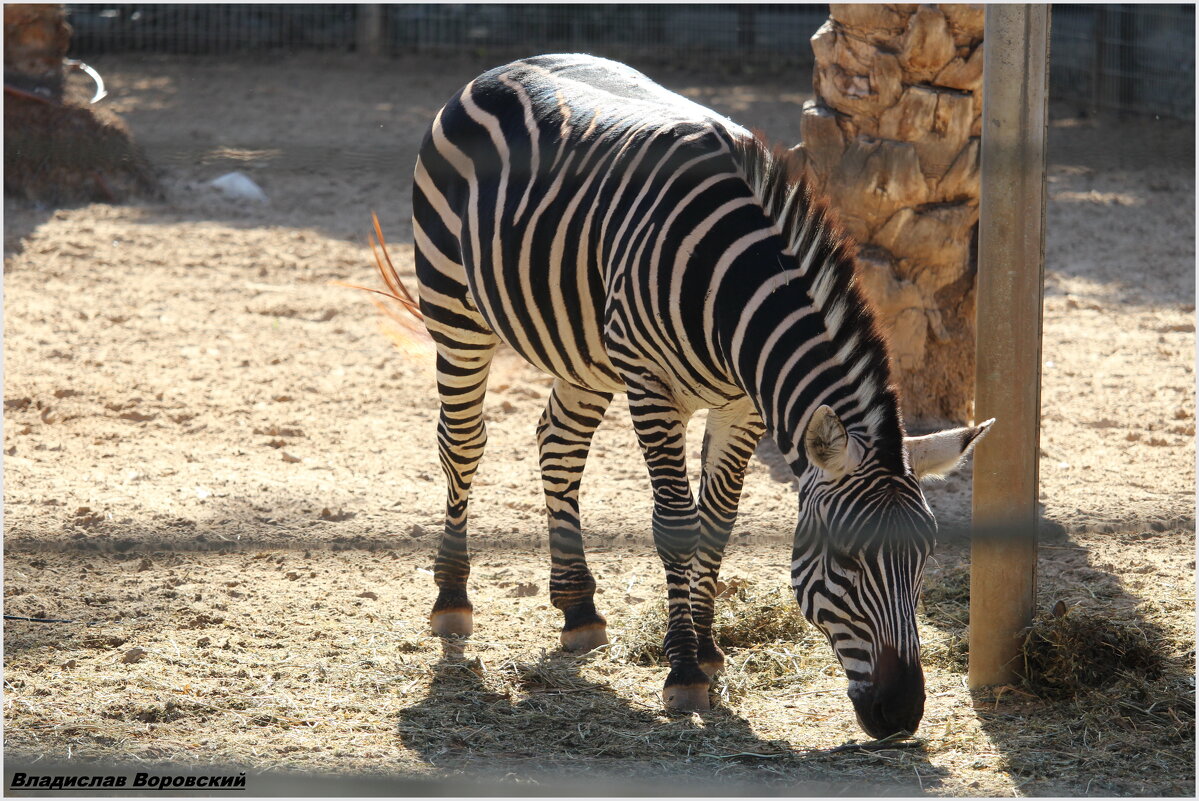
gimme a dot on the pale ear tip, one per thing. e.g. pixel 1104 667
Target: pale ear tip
pixel 823 412
pixel 972 435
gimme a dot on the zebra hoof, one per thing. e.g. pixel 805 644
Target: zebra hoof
pixel 686 697
pixel 452 622
pixel 582 639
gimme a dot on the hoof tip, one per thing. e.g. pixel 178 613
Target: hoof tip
pixel 452 622
pixel 687 698
pixel 585 638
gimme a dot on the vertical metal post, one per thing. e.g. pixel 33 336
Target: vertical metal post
pixel 1127 57
pixel 1097 80
pixel 1011 250
pixel 370 30
pixel 747 19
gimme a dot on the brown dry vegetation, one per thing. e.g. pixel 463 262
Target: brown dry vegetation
pixel 215 457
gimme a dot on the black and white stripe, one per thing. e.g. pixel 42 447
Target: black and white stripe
pixel 624 239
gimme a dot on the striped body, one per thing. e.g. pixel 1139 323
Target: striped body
pixel 625 239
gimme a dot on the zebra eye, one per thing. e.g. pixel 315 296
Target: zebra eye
pixel 844 562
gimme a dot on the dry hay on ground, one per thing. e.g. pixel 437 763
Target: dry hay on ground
pixel 1070 652
pixel 70 152
pixel 200 671
pixel 945 600
pixel 59 149
pixel 1105 675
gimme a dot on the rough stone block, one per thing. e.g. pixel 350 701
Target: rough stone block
pixel 927 45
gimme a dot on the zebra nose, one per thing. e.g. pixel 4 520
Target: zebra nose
pixel 894 703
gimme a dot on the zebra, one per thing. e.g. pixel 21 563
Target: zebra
pixel 625 239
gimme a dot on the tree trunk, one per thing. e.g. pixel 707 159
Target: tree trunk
pixel 892 139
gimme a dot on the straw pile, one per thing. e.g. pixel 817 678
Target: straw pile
pixel 1069 653
pixel 747 616
pixel 58 148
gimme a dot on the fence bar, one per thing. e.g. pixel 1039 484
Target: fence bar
pixel 1008 368
pixel 370 30
pixel 1100 58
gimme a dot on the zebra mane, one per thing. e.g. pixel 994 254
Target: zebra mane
pixel 823 252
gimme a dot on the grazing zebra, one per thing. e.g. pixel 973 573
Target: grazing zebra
pixel 625 239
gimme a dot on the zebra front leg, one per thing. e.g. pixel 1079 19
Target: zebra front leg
pixel 661 431
pixel 730 437
pixel 563 437
pixel 461 437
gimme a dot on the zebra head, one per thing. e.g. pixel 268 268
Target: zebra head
pixel 864 534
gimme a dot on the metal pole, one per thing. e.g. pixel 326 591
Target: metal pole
pixel 1127 57
pixel 1011 250
pixel 370 30
pixel 1097 81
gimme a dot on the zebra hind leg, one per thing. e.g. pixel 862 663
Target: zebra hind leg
pixel 563 437
pixel 731 435
pixel 461 437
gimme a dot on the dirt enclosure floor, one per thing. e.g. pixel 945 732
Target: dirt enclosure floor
pixel 218 458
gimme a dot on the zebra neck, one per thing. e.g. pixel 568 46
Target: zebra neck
pixel 790 363
pixel 798 332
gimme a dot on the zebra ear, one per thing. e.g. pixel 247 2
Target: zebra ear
pixel 939 454
pixel 828 446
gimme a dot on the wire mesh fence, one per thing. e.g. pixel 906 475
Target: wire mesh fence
pixel 211 29
pixel 716 35
pixel 723 36
pixel 1123 57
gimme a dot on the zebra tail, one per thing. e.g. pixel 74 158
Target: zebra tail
pixel 405 328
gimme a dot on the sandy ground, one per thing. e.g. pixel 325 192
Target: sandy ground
pixel 213 454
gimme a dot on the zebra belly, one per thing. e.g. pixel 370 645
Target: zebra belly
pixel 534 306
pixel 563 359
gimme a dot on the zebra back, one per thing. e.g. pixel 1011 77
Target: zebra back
pixel 586 212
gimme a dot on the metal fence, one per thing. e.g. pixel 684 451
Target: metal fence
pixel 722 36
pixel 1126 57
pixel 210 29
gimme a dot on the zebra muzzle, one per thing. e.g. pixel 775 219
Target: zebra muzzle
pixel 893 701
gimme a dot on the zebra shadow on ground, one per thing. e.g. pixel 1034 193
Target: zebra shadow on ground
pixel 542 726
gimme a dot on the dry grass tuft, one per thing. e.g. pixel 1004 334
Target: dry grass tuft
pixel 768 643
pixel 1066 654
pixel 639 641
pixel 946 650
pixel 1114 673
pixel 748 614
pixel 946 596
